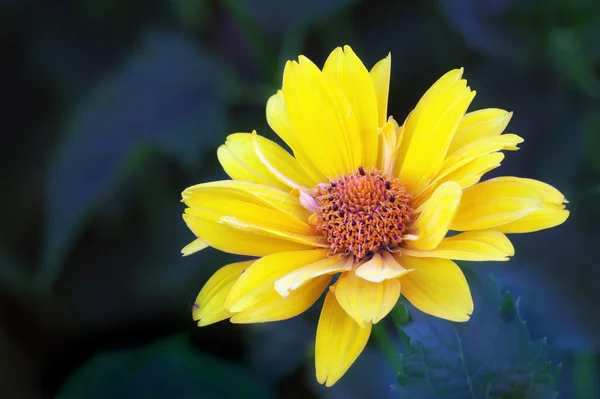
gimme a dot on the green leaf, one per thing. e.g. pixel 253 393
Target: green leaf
pixel 491 356
pixel 166 369
pixel 169 97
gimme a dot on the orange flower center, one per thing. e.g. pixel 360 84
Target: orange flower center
pixel 363 213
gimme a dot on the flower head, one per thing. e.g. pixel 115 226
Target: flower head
pixel 363 198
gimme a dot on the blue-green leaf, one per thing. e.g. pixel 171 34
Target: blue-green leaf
pixel 167 369
pixel 491 356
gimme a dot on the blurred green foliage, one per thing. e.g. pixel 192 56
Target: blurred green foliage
pixel 113 108
pixel 166 369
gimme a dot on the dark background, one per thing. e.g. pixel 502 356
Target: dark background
pixel 111 108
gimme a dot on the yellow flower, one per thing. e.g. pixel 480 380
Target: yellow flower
pixel 363 198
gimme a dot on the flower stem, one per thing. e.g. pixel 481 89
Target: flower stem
pixel 401 317
pixel 585 370
pixel 386 344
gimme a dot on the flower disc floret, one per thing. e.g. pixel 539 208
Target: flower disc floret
pixel 362 214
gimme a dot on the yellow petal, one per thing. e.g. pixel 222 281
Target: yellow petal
pixel 365 301
pixel 316 110
pixel 265 158
pixel 436 215
pixel 380 74
pixel 280 163
pixel 275 307
pixel 430 128
pixel 197 245
pixel 482 146
pixel 469 163
pixel 549 193
pixel 240 162
pixel 465 174
pixel 480 245
pixel 437 287
pixel 258 227
pixel 258 282
pixel 339 342
pixel 479 124
pixel 209 306
pixel 235 211
pixel 471 172
pixel 380 267
pixel 440 86
pixel 235 241
pixel 293 280
pixel 258 194
pixel 541 219
pixel 497 202
pixel 349 73
pixel 279 121
pixel 388 146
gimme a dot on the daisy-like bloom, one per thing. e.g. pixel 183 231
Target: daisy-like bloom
pixel 361 198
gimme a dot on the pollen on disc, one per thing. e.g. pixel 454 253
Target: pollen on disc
pixel 363 213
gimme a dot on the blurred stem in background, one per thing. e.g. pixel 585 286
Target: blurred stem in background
pixel 585 376
pixel 386 343
pixel 266 59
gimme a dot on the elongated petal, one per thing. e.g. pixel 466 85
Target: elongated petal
pixel 317 111
pixel 258 282
pixel 437 287
pixel 293 280
pixel 544 218
pixel 465 174
pixel 240 162
pixel 279 121
pixel 479 124
pixel 388 147
pixel 258 194
pixel 339 342
pixel 482 146
pixel 265 158
pixel 429 131
pixel 436 215
pixel 380 74
pixel 480 245
pixel 257 227
pixel 209 306
pixel 380 267
pixel 348 72
pixel 365 301
pixel 441 85
pixel 240 242
pixel 504 201
pixel 234 210
pixel 550 194
pixel 469 163
pixel 280 163
pixel 197 245
pixel 275 307
pixel 471 172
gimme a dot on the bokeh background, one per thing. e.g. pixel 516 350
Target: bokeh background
pixel 111 108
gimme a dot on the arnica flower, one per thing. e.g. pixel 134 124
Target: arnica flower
pixel 361 198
